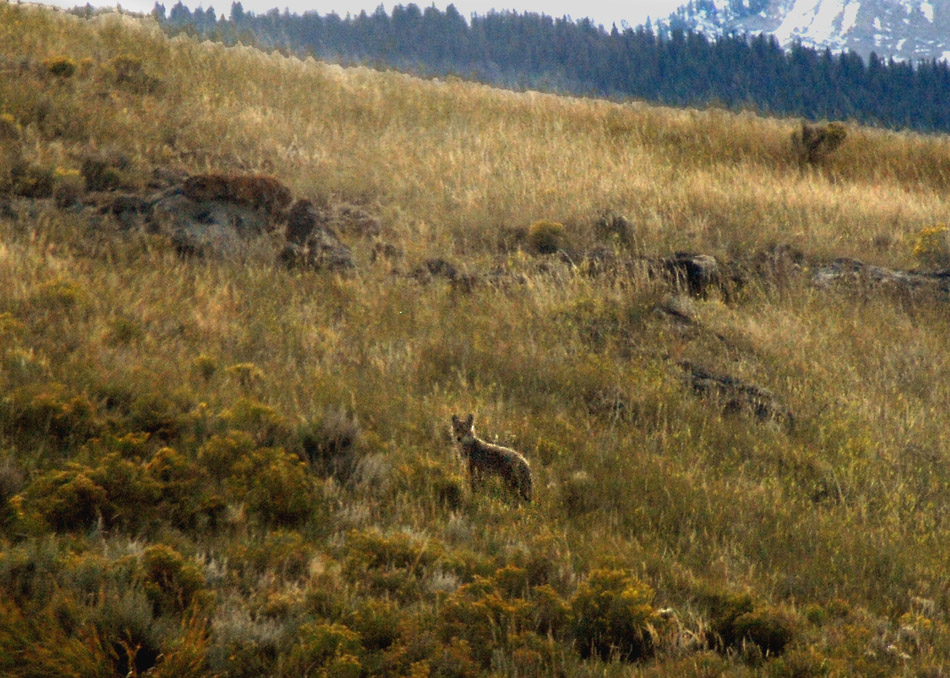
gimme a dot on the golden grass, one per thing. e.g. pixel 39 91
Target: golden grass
pixel 844 513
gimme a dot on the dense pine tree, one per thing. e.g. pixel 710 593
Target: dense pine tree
pixel 675 66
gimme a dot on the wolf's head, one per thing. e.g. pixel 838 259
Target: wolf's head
pixel 463 430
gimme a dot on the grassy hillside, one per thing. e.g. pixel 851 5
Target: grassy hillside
pixel 225 467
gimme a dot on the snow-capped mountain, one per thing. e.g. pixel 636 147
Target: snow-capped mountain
pixel 903 29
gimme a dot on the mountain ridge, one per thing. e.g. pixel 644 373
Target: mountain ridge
pixel 908 30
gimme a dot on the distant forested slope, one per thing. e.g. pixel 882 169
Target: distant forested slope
pixel 578 57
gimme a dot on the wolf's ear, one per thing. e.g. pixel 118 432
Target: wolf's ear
pixel 470 420
pixel 455 419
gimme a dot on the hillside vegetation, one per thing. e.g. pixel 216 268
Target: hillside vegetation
pixel 226 466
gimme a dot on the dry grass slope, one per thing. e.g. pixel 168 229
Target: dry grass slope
pixel 223 467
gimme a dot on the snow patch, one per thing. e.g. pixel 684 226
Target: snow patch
pixel 849 16
pixel 812 18
pixel 927 10
pixel 945 57
pixel 877 23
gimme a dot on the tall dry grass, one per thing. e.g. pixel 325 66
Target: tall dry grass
pixel 837 523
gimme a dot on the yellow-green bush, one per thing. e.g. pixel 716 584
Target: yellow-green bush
pixel 614 615
pixel 932 247
pixel 546 237
pixel 275 486
pixel 325 650
pixel 262 422
pixel 63 500
pixel 60 66
pixel 31 181
pixel 218 454
pixel 9 127
pixel 173 584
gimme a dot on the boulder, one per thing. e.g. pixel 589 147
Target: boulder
pixel 206 227
pixel 852 272
pixel 311 243
pixel 256 192
pixel 697 273
pixel 736 395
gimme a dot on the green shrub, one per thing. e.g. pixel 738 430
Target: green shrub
pixel 579 494
pixel 167 417
pixel 64 500
pixel 9 127
pixel 99 174
pixel 485 618
pixel 614 616
pixel 814 143
pixel 68 187
pixel 325 650
pixel 394 564
pixel 172 584
pixel 377 622
pixel 932 247
pixel 724 607
pixel 205 366
pixel 283 552
pixel 770 628
pixel 736 621
pixel 132 493
pixel 124 330
pixel 550 613
pixel 274 485
pixel 31 181
pixel 128 71
pixel 59 294
pixel 218 454
pixel 185 499
pixel 546 237
pixel 44 643
pixel 245 374
pixel 60 66
pixel 262 422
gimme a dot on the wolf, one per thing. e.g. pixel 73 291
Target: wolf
pixel 487 459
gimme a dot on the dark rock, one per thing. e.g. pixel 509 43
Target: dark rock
pixel 101 172
pixel 385 250
pixel 165 177
pixel 697 273
pixel 302 219
pixel 613 226
pixel 434 268
pixel 313 244
pixel 737 395
pixel 354 221
pixel 129 210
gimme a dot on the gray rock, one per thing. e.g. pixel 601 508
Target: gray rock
pixel 852 272
pixel 311 243
pixel 697 273
pixel 736 395
pixel 207 227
